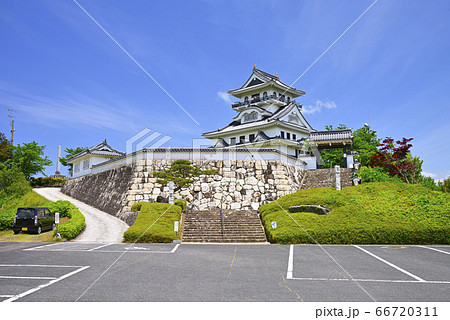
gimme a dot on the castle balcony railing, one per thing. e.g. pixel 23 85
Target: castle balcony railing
pixel 263 98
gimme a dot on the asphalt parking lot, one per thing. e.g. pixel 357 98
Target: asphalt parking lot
pixel 74 271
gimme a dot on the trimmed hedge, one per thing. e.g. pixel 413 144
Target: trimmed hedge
pixel 43 182
pixel 371 213
pixel 75 225
pixel 154 223
pixel 181 203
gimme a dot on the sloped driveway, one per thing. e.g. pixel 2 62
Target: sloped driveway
pixel 100 226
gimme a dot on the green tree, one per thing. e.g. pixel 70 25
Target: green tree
pixel 365 142
pixel 182 173
pixel 69 154
pixel 13 183
pixel 28 158
pixel 445 185
pixel 5 153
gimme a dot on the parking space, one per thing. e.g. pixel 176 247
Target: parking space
pixel 19 280
pixel 390 264
pixel 106 247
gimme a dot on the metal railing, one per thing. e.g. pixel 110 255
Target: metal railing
pixel 221 215
pixel 255 100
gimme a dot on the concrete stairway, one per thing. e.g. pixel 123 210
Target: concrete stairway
pixel 206 226
pixel 325 178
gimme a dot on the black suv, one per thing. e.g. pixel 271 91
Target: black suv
pixel 33 219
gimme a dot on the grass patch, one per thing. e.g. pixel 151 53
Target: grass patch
pixel 161 229
pixel 371 213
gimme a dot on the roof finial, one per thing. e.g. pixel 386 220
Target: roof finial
pixel 276 74
pixel 254 66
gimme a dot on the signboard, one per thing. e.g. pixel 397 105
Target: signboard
pixel 337 173
pixel 57 217
pixel 175 226
pixel 171 192
pixel 274 224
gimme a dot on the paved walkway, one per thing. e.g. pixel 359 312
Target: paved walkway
pixel 100 226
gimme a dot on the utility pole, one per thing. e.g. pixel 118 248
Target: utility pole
pixel 11 115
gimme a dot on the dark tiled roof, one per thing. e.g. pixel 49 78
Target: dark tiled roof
pixel 103 149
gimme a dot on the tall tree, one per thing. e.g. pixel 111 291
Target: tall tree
pixel 69 154
pixel 395 157
pixel 5 153
pixel 365 142
pixel 28 158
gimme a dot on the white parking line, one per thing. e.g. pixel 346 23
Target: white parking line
pixel 21 295
pixel 391 264
pixel 6 295
pixel 442 251
pixel 175 248
pixel 70 248
pixel 372 280
pixel 290 262
pixel 108 244
pixel 47 245
pixel 28 278
pixel 38 266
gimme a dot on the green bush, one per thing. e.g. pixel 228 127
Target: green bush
pixel 371 213
pixel 75 225
pixel 154 223
pixel 181 203
pixel 47 182
pixel 375 174
pixel 64 207
pixel 137 206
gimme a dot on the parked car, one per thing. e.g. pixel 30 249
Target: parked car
pixel 33 219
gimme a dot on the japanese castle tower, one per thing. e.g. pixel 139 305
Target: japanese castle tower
pixel 267 117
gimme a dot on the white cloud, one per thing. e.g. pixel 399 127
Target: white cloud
pixel 318 106
pixel 224 96
pixel 429 174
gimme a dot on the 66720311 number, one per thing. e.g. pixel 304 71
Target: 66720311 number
pixel 406 311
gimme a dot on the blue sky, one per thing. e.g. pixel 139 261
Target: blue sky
pixel 72 85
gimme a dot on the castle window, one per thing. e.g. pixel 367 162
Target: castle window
pixel 251 137
pixel 86 164
pixel 255 98
pixel 265 95
pixel 294 137
pixel 246 100
pixel 282 134
pixel 274 94
pixel 242 139
pixel 76 167
pixel 288 136
pixel 232 141
pixel 251 116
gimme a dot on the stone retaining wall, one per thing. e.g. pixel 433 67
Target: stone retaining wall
pixel 106 191
pixel 241 184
